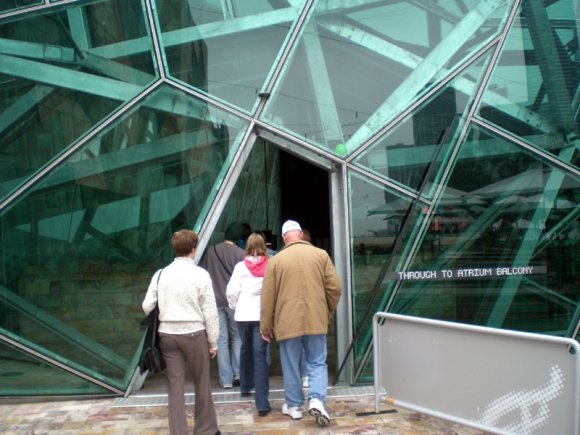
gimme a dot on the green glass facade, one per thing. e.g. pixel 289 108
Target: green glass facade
pixel 431 147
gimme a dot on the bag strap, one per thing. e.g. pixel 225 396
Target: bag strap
pixel 155 320
pixel 227 269
pixel 159 276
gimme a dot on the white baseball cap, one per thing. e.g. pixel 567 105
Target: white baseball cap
pixel 290 226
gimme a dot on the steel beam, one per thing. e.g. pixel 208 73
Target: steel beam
pixel 323 95
pixel 424 72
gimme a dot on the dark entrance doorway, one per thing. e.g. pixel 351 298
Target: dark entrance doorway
pixel 305 197
pixel 274 186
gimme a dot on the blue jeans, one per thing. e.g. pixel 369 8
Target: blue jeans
pixel 254 364
pixel 314 348
pixel 229 344
pixel 303 372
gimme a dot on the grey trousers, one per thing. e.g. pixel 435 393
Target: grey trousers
pixel 183 352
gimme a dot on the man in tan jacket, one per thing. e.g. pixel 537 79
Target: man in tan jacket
pixel 300 292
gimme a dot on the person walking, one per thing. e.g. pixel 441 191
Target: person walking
pixel 219 260
pixel 188 332
pixel 243 293
pixel 300 292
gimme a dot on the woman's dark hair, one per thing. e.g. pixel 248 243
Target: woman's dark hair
pixel 183 242
pixel 234 232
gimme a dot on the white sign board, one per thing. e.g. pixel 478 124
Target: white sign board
pixel 500 381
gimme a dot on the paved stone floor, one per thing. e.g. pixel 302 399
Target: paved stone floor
pixel 145 412
pixel 350 415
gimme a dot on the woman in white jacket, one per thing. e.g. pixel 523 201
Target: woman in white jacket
pixel 243 292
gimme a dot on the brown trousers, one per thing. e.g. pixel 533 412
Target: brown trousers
pixel 182 352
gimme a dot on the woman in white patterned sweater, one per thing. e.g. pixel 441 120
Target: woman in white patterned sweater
pixel 188 322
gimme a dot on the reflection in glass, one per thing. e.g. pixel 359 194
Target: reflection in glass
pixel 22 375
pixel 255 199
pixel 377 219
pixel 80 238
pixel 8 6
pixel 224 48
pixel 507 228
pixel 57 87
pixel 533 92
pixel 422 140
pixel 356 68
pixel 80 249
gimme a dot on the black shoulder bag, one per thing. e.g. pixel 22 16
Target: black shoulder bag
pixel 151 357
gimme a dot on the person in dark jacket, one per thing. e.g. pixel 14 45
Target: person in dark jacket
pixel 219 260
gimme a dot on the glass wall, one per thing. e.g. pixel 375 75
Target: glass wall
pixel 455 125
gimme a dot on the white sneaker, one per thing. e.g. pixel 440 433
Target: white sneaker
pixel 316 409
pixel 294 412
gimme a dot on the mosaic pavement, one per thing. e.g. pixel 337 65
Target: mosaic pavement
pixel 350 415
